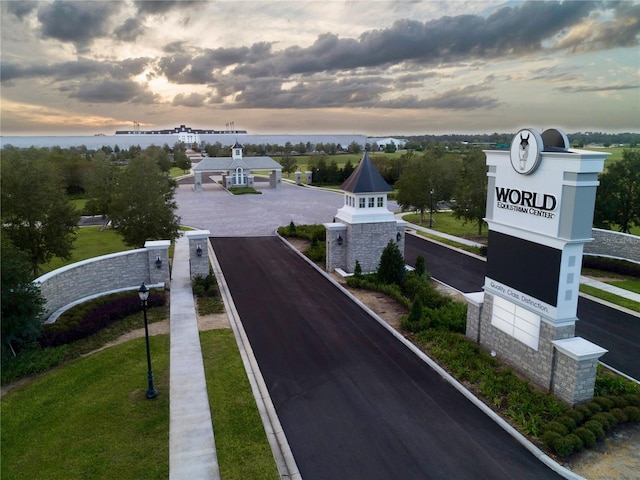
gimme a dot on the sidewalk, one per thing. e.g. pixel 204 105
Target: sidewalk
pixel 192 450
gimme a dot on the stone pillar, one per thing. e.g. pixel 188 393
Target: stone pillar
pixel 337 246
pixel 574 369
pixel 250 181
pixel 309 177
pixel 158 261
pixel 227 181
pixel 197 187
pixel 298 178
pixel 198 252
pixel 275 179
pixel 475 302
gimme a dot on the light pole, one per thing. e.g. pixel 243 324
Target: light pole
pixel 431 209
pixel 143 293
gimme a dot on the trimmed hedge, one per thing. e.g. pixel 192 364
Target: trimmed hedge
pixel 86 319
pixel 613 265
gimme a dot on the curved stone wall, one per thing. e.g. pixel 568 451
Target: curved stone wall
pixel 614 244
pixel 116 271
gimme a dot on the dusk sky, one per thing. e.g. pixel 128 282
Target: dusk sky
pixel 367 67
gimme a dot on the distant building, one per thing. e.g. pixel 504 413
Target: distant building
pixel 236 170
pixel 381 143
pixel 185 134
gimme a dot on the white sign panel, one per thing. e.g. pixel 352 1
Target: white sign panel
pixel 517 297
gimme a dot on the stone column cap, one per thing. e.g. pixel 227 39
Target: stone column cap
pixel 475 298
pixel 157 244
pixel 579 349
pixel 197 234
pixel 335 226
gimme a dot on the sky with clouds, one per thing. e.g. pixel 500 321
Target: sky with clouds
pixel 369 67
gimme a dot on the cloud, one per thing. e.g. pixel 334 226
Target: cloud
pixel 595 34
pixel 76 22
pixel 191 100
pixel 507 31
pixel 595 88
pixel 112 91
pixel 82 68
pixel 20 9
pixel 129 30
pixel 159 7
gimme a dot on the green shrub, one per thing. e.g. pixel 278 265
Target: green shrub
pixel 199 290
pixel 420 268
pixel 416 311
pixel 594 407
pixel 31 361
pixel 550 438
pixel 575 414
pixel 596 428
pixel 604 402
pixel 585 411
pixel 292 229
pixel 621 417
pixel 576 442
pixel 606 419
pixel 567 421
pixel 633 399
pixel 564 446
pixel 587 436
pixel 555 426
pixel 632 413
pixel 620 401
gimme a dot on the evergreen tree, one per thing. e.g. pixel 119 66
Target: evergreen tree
pixel 391 267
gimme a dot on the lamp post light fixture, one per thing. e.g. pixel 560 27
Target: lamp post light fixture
pixel 431 209
pixel 199 250
pixel 143 293
pixel 339 240
pixel 398 237
pixel 158 262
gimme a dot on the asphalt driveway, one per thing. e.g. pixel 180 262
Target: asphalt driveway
pixel 353 401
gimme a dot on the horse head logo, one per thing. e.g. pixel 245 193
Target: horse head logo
pixel 523 151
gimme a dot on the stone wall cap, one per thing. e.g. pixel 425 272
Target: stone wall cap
pixel 157 244
pixel 197 234
pixel 475 298
pixel 335 226
pixel 579 348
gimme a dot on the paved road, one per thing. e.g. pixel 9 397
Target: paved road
pixel 612 329
pixel 353 401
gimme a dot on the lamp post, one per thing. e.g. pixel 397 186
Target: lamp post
pixel 143 293
pixel 431 209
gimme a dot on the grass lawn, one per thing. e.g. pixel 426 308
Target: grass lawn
pixel 90 419
pixel 90 242
pixel 446 222
pixel 609 297
pixel 177 172
pixel 632 285
pixel 241 442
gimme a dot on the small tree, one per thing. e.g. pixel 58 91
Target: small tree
pixel 292 229
pixel 357 272
pixel 22 303
pixel 420 266
pixel 391 267
pixel 289 164
pixel 416 311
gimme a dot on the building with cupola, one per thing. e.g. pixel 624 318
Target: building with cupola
pixel 237 170
pixel 364 225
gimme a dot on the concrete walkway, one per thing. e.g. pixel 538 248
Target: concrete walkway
pixel 192 450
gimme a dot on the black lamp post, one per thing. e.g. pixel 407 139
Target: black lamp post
pixel 143 293
pixel 431 209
